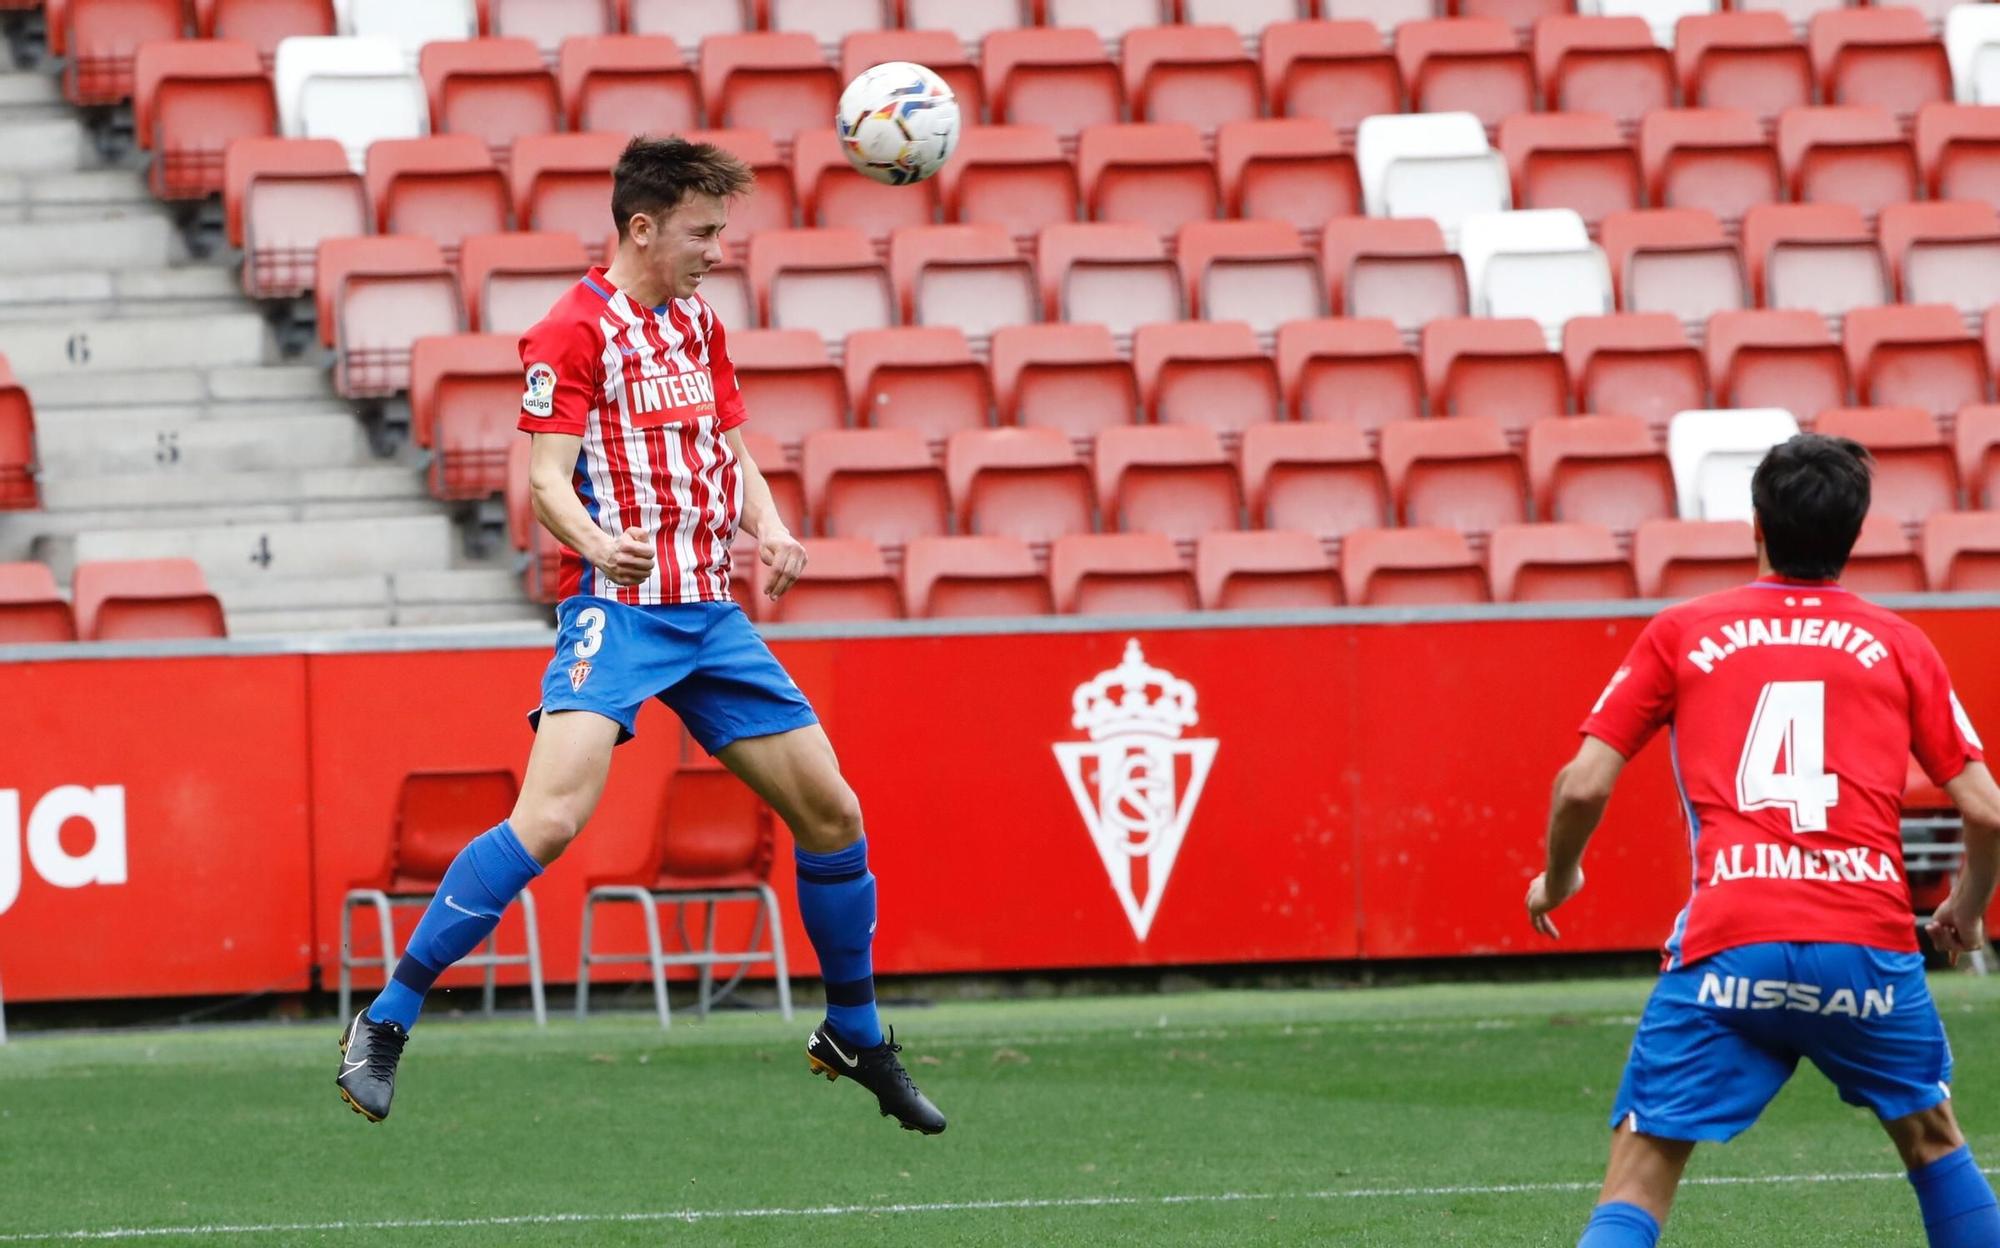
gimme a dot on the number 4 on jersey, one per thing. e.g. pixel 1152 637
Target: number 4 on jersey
pixel 1789 728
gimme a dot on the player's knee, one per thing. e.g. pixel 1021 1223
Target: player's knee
pixel 546 832
pixel 1924 1137
pixel 832 823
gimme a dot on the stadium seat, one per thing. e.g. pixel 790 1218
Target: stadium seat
pixel 973 577
pixel 1972 45
pixel 375 297
pixel 1350 370
pixel 1558 563
pixel 772 203
pixel 1313 477
pixel 18 491
pixel 562 183
pixel 1883 57
pixel 1962 552
pixel 1269 570
pixel 1397 269
pixel 790 386
pixel 282 198
pixel 1744 60
pixel 1120 574
pixel 1607 65
pixel 510 281
pixel 970 20
pixel 846 578
pixel 1943 252
pixel 444 187
pixel 1638 364
pixel 690 21
pixel 31 611
pixel 1821 257
pixel 192 98
pixel 1257 272
pixel 350 89
pixel 1601 470
pixel 1059 78
pixel 774 81
pixel 918 377
pixel 1456 472
pixel 1688 558
pixel 1976 435
pixel 788 486
pixel 1465 64
pixel 1207 373
pixel 1916 470
pixel 144 600
pixel 834 193
pixel 1883 560
pixel 970 276
pixel 550 24
pixel 1538 262
pixel 1171 479
pixel 464 405
pixel 1109 20
pixel 1500 368
pixel 102 40
pixel 1797 12
pixel 828 20
pixel 1335 71
pixel 635 83
pixel 1197 75
pixel 1015 177
pixel 1958 149
pixel 1248 18
pixel 1521 16
pixel 264 24
pixel 1714 453
pixel 1384 15
pixel 494 89
pixel 1660 15
pixel 879 484
pixel 1423 567
pixel 827 280
pixel 1116 275
pixel 1776 358
pixel 1069 378
pixel 1674 260
pixel 1436 165
pixel 411 26
pixel 1156 174
pixel 1290 169
pixel 1916 355
pixel 1846 155
pixel 1571 160
pixel 1029 484
pixel 1716 159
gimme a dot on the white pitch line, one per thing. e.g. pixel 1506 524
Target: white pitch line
pixel 965 1206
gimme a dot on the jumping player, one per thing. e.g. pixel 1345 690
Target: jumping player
pixel 1792 708
pixel 639 470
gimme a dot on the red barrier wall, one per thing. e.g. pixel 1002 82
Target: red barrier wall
pixel 1370 791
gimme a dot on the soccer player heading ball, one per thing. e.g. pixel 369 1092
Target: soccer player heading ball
pixel 638 469
pixel 1793 708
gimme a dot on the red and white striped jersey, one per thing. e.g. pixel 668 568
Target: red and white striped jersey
pixel 651 391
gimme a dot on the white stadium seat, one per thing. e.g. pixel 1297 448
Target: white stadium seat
pixel 1714 453
pixel 1537 263
pixel 1660 15
pixel 1972 43
pixel 355 90
pixel 1436 165
pixel 413 24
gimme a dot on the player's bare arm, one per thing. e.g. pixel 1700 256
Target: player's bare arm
pixel 626 559
pixel 784 554
pixel 1958 926
pixel 1583 788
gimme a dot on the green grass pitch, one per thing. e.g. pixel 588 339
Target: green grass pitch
pixel 1403 1116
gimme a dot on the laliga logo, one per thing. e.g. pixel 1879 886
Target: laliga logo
pixel 1136 781
pixel 103 863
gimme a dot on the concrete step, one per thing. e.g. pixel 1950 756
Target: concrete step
pixel 99 389
pixel 146 444
pixel 238 553
pixel 66 247
pixel 168 489
pixel 475 585
pixel 471 614
pixel 311 620
pixel 102 188
pixel 318 593
pixel 27 87
pixel 20 313
pixel 44 144
pixel 271 387
pixel 123 287
pixel 188 413
pixel 133 344
pixel 272 381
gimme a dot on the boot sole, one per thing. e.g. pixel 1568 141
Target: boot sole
pixel 832 1076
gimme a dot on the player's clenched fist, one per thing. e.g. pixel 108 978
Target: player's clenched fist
pixel 629 560
pixel 785 555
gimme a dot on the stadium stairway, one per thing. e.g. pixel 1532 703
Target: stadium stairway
pixel 171 423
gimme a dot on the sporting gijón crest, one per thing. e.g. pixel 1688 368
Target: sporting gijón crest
pixel 1137 780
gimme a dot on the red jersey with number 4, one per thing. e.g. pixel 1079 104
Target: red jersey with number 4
pixel 1793 710
pixel 651 392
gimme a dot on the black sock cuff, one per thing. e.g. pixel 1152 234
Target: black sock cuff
pixel 852 992
pixel 414 975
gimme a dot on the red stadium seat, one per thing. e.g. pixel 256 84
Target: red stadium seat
pixel 880 484
pixel 845 579
pixel 1271 570
pixel 833 192
pixel 1171 479
pixel 1716 159
pixel 1199 75
pixel 444 187
pixel 1332 71
pixel 1945 252
pixel 1294 170
pixel 828 20
pixel 1846 155
pixel 1776 359
pixel 1916 472
pixel 1411 568
pixel 1558 563
pixel 1675 260
pixel 1883 560
pixel 970 20
pixel 281 198
pixel 1058 78
pixel 788 486
pixel 690 21
pixel 510 281
pixel 31 611
pixel 1115 275
pixel 1028 484
pixel 1355 371
pixel 1119 574
pixel 1318 478
pixel 1883 57
pixel 193 97
pixel 1962 552
pixel 1821 257
pixel 827 280
pixel 1639 364
pixel 1064 377
pixel 1688 558
pixel 1496 367
pixel 1571 160
pixel 1465 64
pixel 493 89
pixel 102 38
pixel 973 577
pixel 1394 268
pixel 939 51
pixel 1248 18
pixel 1015 177
pixel 1601 470
pixel 774 81
pixel 1158 174
pixel 1109 20
pixel 1959 148
pixel 1456 472
pixel 790 386
pixel 375 297
pixel 1205 373
pixel 464 404
pixel 969 276
pixel 1607 65
pixel 1917 355
pixel 144 600
pixel 1749 61
pixel 264 23
pixel 550 24
pixel 18 491
pixel 562 182
pixel 1252 271
pixel 1976 436
pixel 772 203
pixel 635 83
pixel 920 377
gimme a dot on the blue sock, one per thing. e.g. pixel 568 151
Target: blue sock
pixel 837 905
pixel 1958 1205
pixel 1619 1225
pixel 477 887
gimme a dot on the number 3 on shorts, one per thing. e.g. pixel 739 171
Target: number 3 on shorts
pixel 591 621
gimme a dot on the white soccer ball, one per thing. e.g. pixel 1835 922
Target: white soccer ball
pixel 898 122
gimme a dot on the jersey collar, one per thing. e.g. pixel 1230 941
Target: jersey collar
pixel 600 285
pixel 1776 581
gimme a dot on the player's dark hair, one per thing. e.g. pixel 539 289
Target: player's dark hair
pixel 1811 493
pixel 654 175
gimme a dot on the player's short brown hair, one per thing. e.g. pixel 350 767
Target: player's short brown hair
pixel 654 175
pixel 1811 493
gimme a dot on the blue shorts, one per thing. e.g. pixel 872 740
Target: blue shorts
pixel 1720 1037
pixel 703 659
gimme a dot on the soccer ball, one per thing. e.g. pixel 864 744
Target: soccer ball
pixel 898 122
